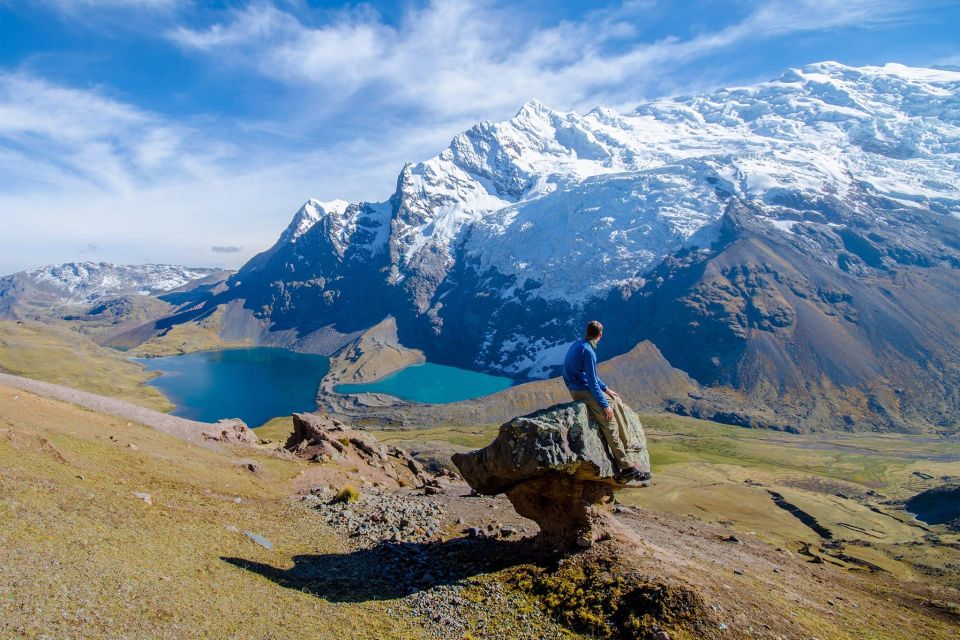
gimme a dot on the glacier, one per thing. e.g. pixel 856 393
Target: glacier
pixel 554 210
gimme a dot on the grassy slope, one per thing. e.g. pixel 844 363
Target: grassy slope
pixel 56 354
pixel 276 430
pixel 81 556
pixel 201 335
pixel 722 474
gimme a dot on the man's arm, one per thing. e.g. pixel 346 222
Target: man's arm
pixel 593 382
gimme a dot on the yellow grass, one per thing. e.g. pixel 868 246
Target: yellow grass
pixel 82 556
pixel 189 337
pixel 56 354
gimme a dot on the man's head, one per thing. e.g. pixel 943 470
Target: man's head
pixel 594 331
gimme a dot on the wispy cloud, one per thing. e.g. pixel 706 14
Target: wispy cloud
pixel 77 6
pixel 464 56
pixel 83 139
pixel 82 169
pixel 353 95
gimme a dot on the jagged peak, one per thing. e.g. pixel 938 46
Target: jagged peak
pixel 534 107
pixel 335 206
pixel 309 214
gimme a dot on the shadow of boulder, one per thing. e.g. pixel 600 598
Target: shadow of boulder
pixel 394 570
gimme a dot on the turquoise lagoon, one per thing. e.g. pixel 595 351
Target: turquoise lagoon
pixel 261 383
pixel 432 384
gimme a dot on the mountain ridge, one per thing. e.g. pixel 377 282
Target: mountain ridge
pixel 493 253
pixel 87 282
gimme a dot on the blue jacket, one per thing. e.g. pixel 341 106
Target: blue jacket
pixel 580 371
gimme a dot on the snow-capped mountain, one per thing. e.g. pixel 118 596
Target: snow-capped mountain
pixel 85 283
pixel 492 253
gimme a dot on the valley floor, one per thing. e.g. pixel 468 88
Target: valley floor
pixel 85 554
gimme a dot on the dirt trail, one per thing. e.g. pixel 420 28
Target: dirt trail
pixel 182 428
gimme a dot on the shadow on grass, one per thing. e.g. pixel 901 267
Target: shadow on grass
pixel 394 570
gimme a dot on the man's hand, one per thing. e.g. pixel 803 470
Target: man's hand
pixel 608 413
pixel 612 393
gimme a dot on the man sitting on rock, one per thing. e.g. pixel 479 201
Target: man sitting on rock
pixel 580 376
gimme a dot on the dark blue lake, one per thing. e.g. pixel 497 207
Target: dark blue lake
pixel 254 384
pixel 432 384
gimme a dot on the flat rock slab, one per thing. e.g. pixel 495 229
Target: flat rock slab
pixel 259 539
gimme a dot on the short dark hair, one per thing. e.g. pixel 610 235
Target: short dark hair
pixel 594 329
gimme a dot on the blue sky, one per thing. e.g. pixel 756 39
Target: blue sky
pixel 154 130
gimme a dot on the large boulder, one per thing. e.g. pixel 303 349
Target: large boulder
pixel 320 438
pixel 555 467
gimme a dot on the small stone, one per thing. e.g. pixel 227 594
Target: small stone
pixel 237 500
pixel 80 477
pixel 133 446
pixel 259 539
pixel 459 520
pixel 739 572
pixel 474 532
pixel 723 627
pixel 732 538
pixel 506 532
pixel 145 497
pixel 661 635
pixel 584 541
pixel 232 529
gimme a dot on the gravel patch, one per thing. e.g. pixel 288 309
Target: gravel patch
pixel 379 516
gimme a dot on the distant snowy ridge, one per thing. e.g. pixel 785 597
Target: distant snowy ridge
pixel 565 208
pixel 82 283
pixel 582 203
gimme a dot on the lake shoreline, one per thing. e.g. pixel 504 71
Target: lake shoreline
pixel 253 384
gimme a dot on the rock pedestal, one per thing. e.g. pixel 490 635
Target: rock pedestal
pixel 555 468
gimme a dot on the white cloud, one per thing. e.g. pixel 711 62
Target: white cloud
pixel 82 168
pixel 463 56
pixel 84 139
pixel 75 6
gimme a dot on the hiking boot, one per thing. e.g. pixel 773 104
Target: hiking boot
pixel 633 474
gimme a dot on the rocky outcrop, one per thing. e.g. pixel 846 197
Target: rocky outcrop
pixel 231 430
pixel 555 468
pixel 320 438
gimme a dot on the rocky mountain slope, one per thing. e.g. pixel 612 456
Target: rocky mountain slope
pixel 796 241
pixel 90 283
